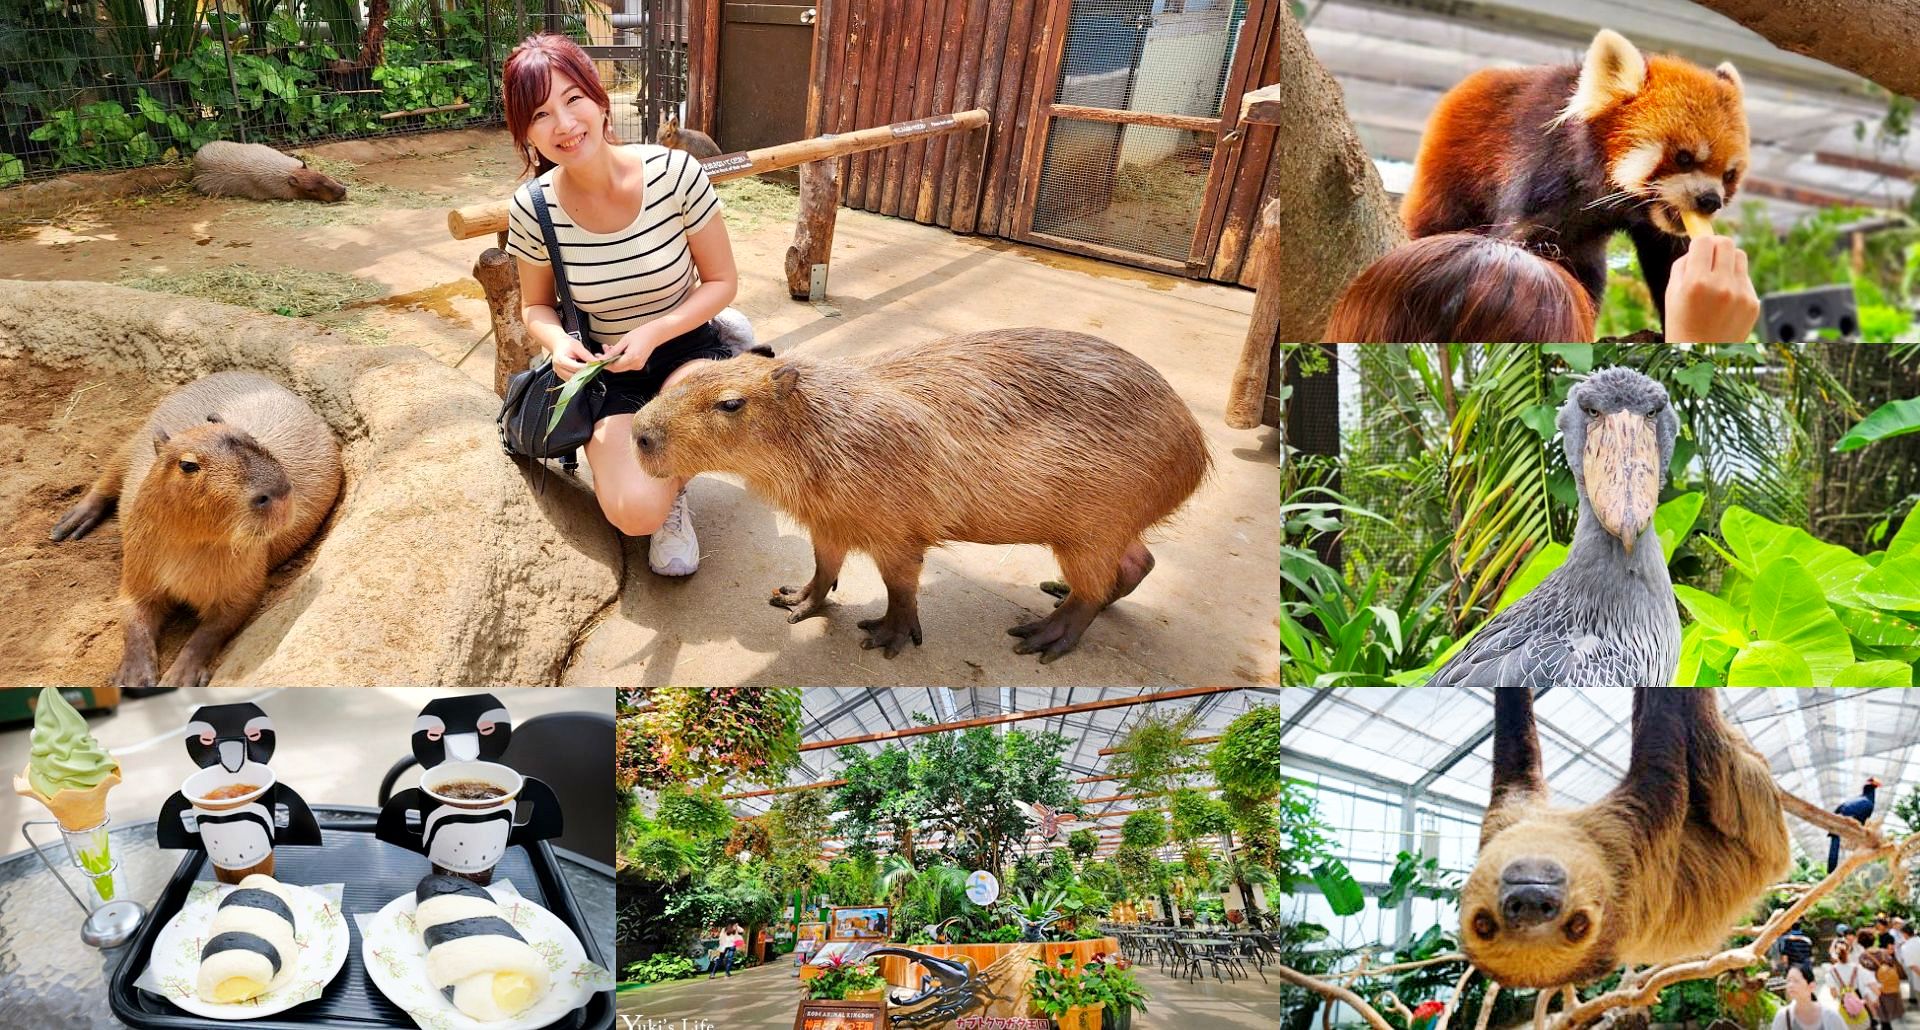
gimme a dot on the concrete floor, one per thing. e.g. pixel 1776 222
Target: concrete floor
pixel 332 745
pixel 1205 615
pixel 764 998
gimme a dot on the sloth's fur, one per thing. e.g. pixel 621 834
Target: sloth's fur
pixel 1659 869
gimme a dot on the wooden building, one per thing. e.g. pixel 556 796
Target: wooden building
pixel 1115 130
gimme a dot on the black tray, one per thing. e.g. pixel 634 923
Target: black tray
pixel 374 873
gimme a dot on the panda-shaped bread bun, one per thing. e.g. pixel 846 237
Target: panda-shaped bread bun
pixel 474 956
pixel 253 943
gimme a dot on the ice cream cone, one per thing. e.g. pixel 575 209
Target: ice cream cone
pixel 73 809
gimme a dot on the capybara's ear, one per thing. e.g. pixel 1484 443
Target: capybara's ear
pixel 160 438
pixel 293 177
pixel 211 417
pixel 785 378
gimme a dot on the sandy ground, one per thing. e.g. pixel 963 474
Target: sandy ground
pixel 332 745
pixel 1204 616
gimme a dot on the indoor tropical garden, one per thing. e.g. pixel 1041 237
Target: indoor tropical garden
pixel 1431 487
pixel 1415 890
pixel 1072 857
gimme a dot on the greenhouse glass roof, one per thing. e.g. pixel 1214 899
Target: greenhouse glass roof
pixel 1436 744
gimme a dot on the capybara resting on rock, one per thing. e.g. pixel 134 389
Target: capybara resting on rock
pixel 230 475
pixel 224 168
pixel 1012 436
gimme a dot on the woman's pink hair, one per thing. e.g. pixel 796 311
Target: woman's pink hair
pixel 527 79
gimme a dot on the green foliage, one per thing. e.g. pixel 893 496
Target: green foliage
pixel 971 780
pixel 1135 866
pixel 1144 830
pixel 852 879
pixel 1153 755
pixel 1303 842
pixel 1894 418
pixel 686 734
pixel 1083 843
pixel 1055 989
pixel 700 813
pixel 1246 758
pixel 879 793
pixel 659 969
pixel 1695 1001
pixel 840 978
pixel 1417 877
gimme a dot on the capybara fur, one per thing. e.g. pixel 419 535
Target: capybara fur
pixel 1661 868
pixel 1011 436
pixel 229 477
pixel 693 141
pixel 224 168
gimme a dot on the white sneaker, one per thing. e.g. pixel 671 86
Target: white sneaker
pixel 674 550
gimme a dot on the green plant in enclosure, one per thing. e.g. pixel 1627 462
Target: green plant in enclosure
pixel 1332 633
pixel 1155 754
pixel 1082 843
pixel 1144 830
pixel 659 969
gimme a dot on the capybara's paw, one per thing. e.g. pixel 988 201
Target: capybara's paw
pixel 802 600
pixel 890 633
pixel 80 519
pixel 1050 637
pixel 138 671
pixel 1057 588
pixel 187 671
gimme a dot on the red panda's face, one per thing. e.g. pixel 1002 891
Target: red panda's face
pixel 1680 143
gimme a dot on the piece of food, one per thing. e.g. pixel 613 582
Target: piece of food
pixel 70 773
pixel 1697 224
pixel 254 944
pixel 474 956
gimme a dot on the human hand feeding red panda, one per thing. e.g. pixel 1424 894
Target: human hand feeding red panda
pixel 1710 298
pixel 1566 156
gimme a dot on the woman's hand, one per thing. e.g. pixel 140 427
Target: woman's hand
pixel 569 357
pixel 631 351
pixel 1709 297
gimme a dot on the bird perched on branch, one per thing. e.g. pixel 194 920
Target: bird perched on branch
pixel 1606 617
pixel 1856 809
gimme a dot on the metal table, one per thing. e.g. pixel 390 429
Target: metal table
pixel 49 978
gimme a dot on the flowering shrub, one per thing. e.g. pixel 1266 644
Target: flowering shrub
pixel 680 734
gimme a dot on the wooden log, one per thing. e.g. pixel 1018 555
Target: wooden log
pixel 813 236
pixel 824 26
pixel 966 85
pixel 1257 156
pixel 975 158
pixel 500 279
pixel 996 216
pixel 870 90
pixel 946 68
pixel 708 86
pixel 929 70
pixel 1247 394
pixel 480 219
pixel 1195 123
pixel 906 94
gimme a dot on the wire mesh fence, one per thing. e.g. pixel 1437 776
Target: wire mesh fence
pixel 108 84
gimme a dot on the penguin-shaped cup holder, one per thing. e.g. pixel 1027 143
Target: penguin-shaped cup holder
pixel 235 808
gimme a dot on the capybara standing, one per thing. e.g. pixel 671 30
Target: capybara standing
pixel 224 168
pixel 230 475
pixel 1011 436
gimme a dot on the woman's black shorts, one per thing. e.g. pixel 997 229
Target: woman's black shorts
pixel 628 392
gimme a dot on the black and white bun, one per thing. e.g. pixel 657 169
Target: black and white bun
pixel 474 956
pixel 253 944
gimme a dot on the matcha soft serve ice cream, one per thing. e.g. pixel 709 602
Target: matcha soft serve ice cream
pixel 64 755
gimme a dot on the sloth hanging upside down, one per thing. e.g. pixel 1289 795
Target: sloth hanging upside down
pixel 1659 869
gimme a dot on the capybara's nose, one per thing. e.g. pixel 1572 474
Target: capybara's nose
pixel 645 440
pixel 1532 891
pixel 1708 202
pixel 260 501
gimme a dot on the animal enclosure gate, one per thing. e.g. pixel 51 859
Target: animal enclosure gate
pixel 1130 121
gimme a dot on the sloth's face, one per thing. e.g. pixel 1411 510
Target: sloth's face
pixel 1535 911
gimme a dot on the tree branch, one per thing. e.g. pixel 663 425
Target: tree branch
pixel 1871 38
pixel 1339 994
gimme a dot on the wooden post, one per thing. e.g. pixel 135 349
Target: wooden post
pixel 500 278
pixel 1246 397
pixel 813 235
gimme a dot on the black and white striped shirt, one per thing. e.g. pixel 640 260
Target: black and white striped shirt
pixel 627 278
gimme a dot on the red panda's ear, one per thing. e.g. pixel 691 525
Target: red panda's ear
pixel 1727 71
pixel 1613 72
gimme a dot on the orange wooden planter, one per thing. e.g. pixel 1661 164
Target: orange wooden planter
pixel 1082 1017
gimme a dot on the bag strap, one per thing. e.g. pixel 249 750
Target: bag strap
pixel 572 319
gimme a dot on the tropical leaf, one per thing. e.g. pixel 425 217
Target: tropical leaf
pixel 1895 584
pixel 1894 418
pixel 1338 886
pixel 1673 520
pixel 1789 610
pixel 1875 674
pixel 1768 663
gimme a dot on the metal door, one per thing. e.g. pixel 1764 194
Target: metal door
pixel 1128 113
pixel 766 48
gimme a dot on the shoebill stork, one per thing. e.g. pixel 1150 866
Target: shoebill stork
pixel 1606 617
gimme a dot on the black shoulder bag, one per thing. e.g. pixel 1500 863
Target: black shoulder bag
pixel 531 394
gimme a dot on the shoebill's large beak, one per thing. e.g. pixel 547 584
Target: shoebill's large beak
pixel 1621 463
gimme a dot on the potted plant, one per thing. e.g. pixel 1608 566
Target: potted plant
pixel 1120 992
pixel 1071 1000
pixel 840 980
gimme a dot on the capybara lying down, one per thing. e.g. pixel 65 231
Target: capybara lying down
pixel 230 475
pixel 1012 436
pixel 224 168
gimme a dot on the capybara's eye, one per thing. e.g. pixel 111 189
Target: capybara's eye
pixel 1578 926
pixel 189 467
pixel 731 404
pixel 1483 925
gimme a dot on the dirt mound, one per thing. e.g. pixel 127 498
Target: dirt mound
pixel 441 563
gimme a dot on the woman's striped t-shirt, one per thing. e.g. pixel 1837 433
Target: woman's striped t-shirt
pixel 624 279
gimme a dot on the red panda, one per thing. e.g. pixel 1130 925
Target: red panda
pixel 1562 157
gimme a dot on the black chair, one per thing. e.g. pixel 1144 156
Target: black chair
pixel 572 752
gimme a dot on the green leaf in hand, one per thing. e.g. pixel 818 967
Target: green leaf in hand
pixel 571 388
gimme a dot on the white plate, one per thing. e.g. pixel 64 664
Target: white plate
pixel 174 969
pixel 396 960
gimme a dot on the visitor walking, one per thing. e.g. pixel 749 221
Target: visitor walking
pixel 1804 1011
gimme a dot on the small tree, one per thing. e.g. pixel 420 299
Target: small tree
pixel 972 779
pixel 1082 843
